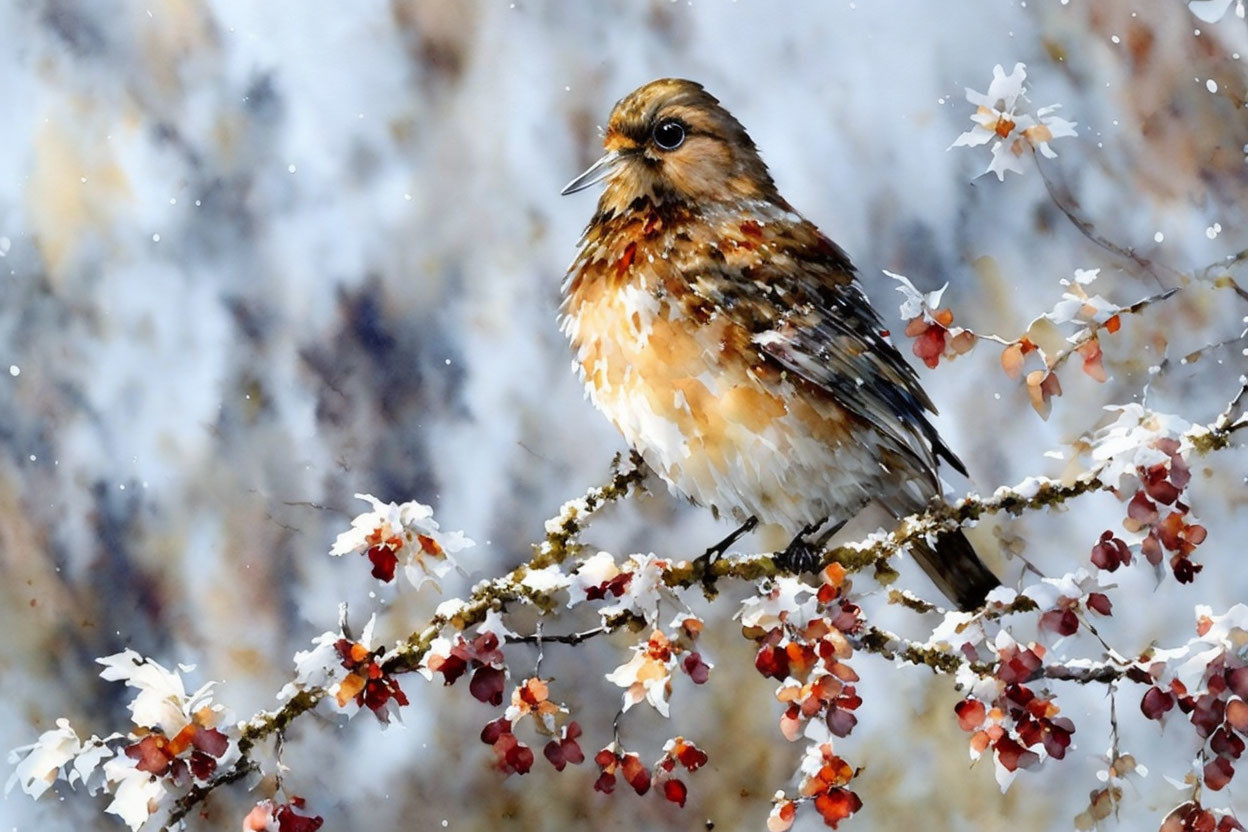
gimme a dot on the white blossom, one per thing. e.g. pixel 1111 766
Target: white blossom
pixel 1048 591
pixel 779 603
pixel 1129 443
pixel 916 303
pixel 38 765
pixel 410 532
pixel 812 760
pixel 1077 304
pixel 439 648
pixel 648 674
pixel 493 623
pixel 319 667
pixel 1221 633
pixel 1001 117
pixel 322 667
pixel 162 701
pixel 136 794
pixel 644 591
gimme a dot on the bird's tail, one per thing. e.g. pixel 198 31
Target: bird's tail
pixel 956 570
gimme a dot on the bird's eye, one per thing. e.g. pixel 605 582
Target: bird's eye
pixel 669 134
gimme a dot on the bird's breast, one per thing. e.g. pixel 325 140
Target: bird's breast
pixel 688 388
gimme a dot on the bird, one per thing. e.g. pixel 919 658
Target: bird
pixel 731 343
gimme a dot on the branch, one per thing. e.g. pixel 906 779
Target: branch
pixel 1068 205
pixel 1225 279
pixel 1091 332
pixel 558 546
pixel 876 550
pixel 940 660
pixel 1218 436
pixel 570 638
pixel 894 648
pixel 1224 422
pixel 198 793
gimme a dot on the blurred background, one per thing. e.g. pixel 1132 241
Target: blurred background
pixel 255 257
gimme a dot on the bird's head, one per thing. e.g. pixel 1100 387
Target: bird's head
pixel 671 141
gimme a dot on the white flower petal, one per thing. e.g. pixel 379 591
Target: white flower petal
pixel 136 794
pixel 973 138
pixel 1004 159
pixel 41 766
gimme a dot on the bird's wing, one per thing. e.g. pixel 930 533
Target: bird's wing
pixel 807 313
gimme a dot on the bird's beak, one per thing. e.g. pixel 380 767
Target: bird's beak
pixel 596 172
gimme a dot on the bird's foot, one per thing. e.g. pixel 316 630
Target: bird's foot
pixel 703 563
pixel 800 555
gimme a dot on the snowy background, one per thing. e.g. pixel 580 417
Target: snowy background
pixel 259 256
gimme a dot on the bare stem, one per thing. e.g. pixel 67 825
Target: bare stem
pixel 540 638
pixel 1090 334
pixel 944 661
pixel 1068 205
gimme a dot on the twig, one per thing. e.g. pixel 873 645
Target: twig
pixel 1199 353
pixel 1225 279
pixel 1224 421
pixel 1218 436
pixel 540 638
pixel 1069 206
pixel 894 648
pixel 876 551
pixel 198 793
pixel 1091 333
pixel 1066 203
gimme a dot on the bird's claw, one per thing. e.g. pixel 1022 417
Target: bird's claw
pixel 702 565
pixel 799 556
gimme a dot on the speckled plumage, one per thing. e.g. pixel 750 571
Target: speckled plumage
pixel 729 342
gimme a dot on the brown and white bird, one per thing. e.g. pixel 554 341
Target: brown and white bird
pixel 729 341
